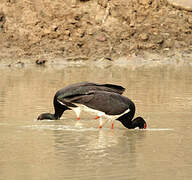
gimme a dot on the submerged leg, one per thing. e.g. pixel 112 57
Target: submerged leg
pixel 112 124
pixel 97 117
pixel 100 122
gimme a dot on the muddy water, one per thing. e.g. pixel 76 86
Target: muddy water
pixel 67 149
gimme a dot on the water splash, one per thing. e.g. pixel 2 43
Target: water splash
pixel 159 129
pixel 60 127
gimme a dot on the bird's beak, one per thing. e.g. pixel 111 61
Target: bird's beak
pixel 145 126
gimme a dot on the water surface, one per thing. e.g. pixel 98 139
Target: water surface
pixel 71 149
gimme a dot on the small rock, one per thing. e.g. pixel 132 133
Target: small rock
pixel 144 37
pixel 80 44
pixel 109 58
pixel 2 17
pixel 190 20
pixel 67 32
pixel 20 64
pixel 46 31
pixel 166 49
pixel 78 17
pixel 132 19
pixel 151 46
pixel 159 40
pixel 2 21
pixel 101 38
pixel 40 61
pixel 168 43
pixel 90 32
pixel 80 33
pixel 54 28
pixel 73 21
pixel 62 49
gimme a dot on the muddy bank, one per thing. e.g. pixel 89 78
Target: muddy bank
pixel 83 30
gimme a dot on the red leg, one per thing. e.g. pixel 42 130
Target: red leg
pixel 97 117
pixel 100 122
pixel 112 125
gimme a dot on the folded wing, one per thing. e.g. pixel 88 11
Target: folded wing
pixel 108 102
pixel 86 87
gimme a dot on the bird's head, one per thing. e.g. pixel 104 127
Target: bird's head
pixel 46 116
pixel 139 122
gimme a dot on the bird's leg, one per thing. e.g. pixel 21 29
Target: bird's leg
pixel 97 117
pixel 77 111
pixel 112 124
pixel 100 122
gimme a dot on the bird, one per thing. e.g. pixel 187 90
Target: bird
pixel 105 104
pixel 76 89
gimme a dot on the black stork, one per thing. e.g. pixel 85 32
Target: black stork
pixel 73 90
pixel 104 104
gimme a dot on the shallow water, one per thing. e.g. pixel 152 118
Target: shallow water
pixel 71 149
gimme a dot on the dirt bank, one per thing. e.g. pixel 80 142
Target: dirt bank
pixel 91 29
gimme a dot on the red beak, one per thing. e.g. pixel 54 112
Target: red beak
pixel 145 126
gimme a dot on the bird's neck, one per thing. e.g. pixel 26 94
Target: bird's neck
pixel 59 108
pixel 126 119
pixel 48 116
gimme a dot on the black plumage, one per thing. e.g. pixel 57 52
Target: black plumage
pixel 105 99
pixel 109 103
pixel 77 89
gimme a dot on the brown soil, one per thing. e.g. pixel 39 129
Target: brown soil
pixel 91 29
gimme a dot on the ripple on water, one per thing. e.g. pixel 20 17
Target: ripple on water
pixel 60 127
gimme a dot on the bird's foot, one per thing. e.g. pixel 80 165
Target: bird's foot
pixel 100 126
pixel 112 125
pixel 97 117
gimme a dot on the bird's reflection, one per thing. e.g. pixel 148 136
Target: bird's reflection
pixel 98 148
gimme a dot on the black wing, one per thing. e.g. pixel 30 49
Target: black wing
pixel 110 103
pixel 76 98
pixel 86 87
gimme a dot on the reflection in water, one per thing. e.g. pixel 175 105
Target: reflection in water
pixel 67 149
pixel 99 153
